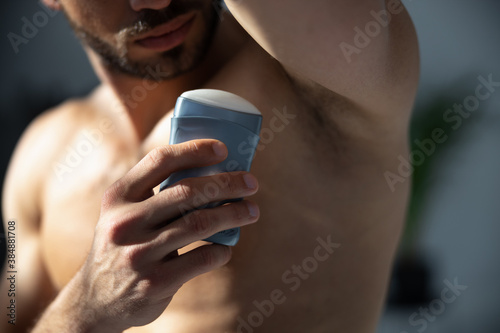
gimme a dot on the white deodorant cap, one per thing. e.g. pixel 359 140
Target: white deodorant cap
pixel 221 99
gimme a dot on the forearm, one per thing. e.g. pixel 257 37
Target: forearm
pixel 71 312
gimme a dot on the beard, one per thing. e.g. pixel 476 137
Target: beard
pixel 172 63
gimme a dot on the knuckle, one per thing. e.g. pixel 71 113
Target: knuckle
pixel 207 257
pixel 166 236
pixel 212 256
pixel 113 193
pixel 144 288
pixel 201 223
pixel 134 255
pixel 183 191
pixel 227 183
pixel 193 147
pixel 158 155
pixel 237 211
pixel 114 231
pixel 116 225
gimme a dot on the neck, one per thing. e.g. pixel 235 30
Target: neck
pixel 146 102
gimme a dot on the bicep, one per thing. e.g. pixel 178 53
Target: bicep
pixel 26 290
pixel 30 289
pixel 328 43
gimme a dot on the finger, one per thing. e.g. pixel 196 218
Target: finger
pixel 159 163
pixel 202 224
pixel 185 267
pixel 190 193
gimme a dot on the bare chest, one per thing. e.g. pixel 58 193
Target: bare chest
pixel 291 189
pixel 308 200
pixel 294 212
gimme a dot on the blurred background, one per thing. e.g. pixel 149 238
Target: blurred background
pixel 454 217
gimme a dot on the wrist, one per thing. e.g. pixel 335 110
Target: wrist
pixel 73 311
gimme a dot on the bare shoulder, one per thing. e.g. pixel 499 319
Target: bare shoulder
pixel 40 144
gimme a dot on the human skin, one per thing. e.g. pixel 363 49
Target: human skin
pixel 321 175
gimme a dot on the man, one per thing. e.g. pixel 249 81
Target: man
pixel 335 82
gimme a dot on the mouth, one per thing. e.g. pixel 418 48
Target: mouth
pixel 168 35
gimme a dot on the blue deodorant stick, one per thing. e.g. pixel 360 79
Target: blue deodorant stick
pixel 216 114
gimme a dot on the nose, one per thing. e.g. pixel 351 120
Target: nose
pixel 138 5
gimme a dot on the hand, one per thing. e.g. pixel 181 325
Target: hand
pixel 133 269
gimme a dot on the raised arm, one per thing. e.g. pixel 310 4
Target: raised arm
pixel 362 50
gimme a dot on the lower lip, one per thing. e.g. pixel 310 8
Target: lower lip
pixel 167 41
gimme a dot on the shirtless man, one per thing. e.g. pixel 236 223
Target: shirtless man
pixel 94 251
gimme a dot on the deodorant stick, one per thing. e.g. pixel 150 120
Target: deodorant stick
pixel 216 114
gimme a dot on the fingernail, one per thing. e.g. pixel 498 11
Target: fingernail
pixel 253 210
pixel 250 181
pixel 219 149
